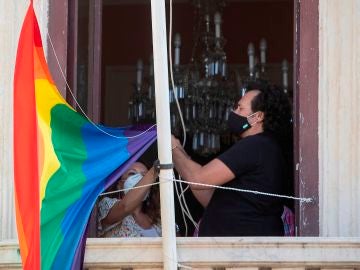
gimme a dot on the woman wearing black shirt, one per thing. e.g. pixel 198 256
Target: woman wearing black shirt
pixel 256 162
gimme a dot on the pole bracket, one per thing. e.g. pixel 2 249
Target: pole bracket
pixel 158 166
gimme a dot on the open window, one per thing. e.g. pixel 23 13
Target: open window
pixel 107 38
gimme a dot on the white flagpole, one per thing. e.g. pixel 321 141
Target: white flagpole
pixel 163 132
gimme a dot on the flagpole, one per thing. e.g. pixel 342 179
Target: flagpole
pixel 163 132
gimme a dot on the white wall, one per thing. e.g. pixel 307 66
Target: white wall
pixel 12 14
pixel 339 117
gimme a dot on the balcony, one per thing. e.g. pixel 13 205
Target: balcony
pixel 212 253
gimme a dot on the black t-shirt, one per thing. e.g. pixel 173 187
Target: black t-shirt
pixel 258 165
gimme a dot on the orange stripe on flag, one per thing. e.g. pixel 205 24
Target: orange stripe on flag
pixel 41 68
pixel 20 229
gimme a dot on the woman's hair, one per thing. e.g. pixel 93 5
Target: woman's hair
pixel 277 110
pixel 151 206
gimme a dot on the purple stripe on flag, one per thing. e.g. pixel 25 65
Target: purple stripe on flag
pixel 80 252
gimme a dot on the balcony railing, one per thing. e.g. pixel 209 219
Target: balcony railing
pixel 212 253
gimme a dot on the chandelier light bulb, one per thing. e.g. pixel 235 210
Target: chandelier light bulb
pixel 263 47
pixel 285 68
pixel 207 23
pixel 251 53
pixel 217 22
pixel 139 71
pixel 177 45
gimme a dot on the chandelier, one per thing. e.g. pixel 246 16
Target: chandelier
pixel 206 88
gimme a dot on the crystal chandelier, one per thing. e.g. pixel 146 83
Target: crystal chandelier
pixel 206 88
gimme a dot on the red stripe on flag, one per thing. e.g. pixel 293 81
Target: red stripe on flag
pixel 26 175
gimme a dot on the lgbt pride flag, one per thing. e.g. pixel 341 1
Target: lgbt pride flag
pixel 62 161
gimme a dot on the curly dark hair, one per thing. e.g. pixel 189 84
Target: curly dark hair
pixel 277 110
pixel 278 121
pixel 151 206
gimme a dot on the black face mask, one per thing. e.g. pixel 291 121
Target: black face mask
pixel 237 123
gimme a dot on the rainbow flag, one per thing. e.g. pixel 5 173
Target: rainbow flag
pixel 62 161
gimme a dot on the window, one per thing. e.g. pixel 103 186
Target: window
pixel 119 52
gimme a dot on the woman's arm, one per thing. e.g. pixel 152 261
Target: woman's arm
pixel 131 200
pixel 213 173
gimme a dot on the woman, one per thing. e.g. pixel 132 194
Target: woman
pixel 256 162
pixel 137 212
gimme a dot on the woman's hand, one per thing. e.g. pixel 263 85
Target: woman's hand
pixel 174 142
